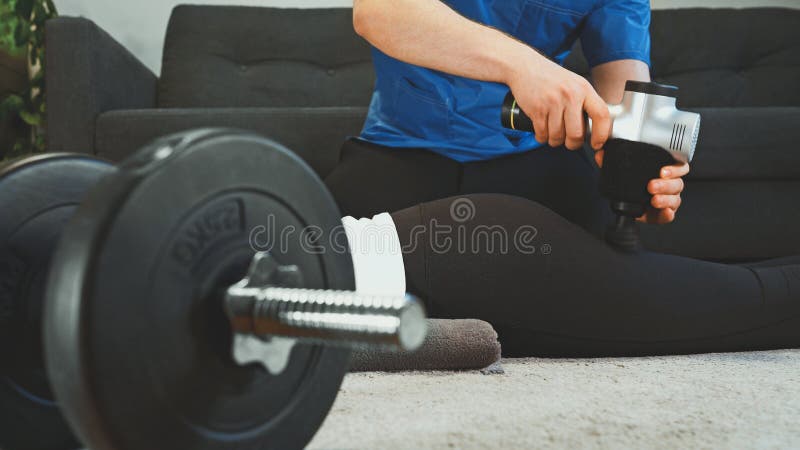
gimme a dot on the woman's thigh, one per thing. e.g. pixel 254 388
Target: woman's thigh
pixel 562 180
pixel 372 179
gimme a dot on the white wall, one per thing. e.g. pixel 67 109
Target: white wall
pixel 140 24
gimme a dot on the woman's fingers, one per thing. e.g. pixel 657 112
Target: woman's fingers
pixel 675 171
pixel 555 100
pixel 665 186
pixel 666 201
pixel 666 192
pixel 574 125
pixel 663 216
pixel 540 127
pixel 598 157
pixel 555 127
pixel 658 216
pixel 597 110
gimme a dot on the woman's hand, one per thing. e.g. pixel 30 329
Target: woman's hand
pixel 555 99
pixel 666 192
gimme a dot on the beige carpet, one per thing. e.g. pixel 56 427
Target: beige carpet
pixel 730 401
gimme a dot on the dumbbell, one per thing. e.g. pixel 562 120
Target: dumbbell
pixel 37 198
pixel 163 327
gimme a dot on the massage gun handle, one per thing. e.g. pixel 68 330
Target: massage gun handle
pixel 513 116
pixel 627 169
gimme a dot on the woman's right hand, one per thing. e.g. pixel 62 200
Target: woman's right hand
pixel 555 99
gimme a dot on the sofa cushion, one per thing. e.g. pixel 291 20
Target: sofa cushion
pixel 729 57
pixel 315 134
pixel 732 221
pixel 724 57
pixel 748 143
pixel 234 56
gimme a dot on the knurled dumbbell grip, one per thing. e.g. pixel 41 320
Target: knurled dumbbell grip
pixel 327 316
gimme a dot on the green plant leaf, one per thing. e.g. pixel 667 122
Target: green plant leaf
pixel 38 11
pixel 22 34
pixel 40 143
pixel 24 8
pixel 11 105
pixel 30 118
pixel 7 7
pixel 33 56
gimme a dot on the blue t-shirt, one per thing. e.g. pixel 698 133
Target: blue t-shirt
pixel 459 117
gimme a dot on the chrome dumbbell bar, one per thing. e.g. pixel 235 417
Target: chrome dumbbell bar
pixel 269 315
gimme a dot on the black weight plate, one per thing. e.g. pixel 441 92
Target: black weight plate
pixel 137 302
pixel 37 198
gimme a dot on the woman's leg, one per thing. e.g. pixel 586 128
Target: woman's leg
pixel 562 180
pixel 552 289
pixel 371 179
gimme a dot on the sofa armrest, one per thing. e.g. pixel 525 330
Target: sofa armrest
pixel 89 73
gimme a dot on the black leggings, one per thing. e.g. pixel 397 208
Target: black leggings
pixel 550 288
pixel 372 179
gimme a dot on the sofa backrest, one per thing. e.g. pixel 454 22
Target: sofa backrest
pixel 233 56
pixel 217 56
pixel 728 57
pixel 723 57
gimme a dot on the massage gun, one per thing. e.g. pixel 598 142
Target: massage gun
pixel 649 132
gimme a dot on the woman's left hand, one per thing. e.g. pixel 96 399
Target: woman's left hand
pixel 666 192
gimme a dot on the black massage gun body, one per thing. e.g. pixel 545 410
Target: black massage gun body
pixel 649 133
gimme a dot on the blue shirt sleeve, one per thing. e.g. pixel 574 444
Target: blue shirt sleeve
pixel 617 29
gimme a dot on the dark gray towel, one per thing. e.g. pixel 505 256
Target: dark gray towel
pixel 464 344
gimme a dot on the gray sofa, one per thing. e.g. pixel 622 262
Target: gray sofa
pixel 302 77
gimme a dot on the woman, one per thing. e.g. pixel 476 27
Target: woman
pixel 552 289
pixel 433 139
